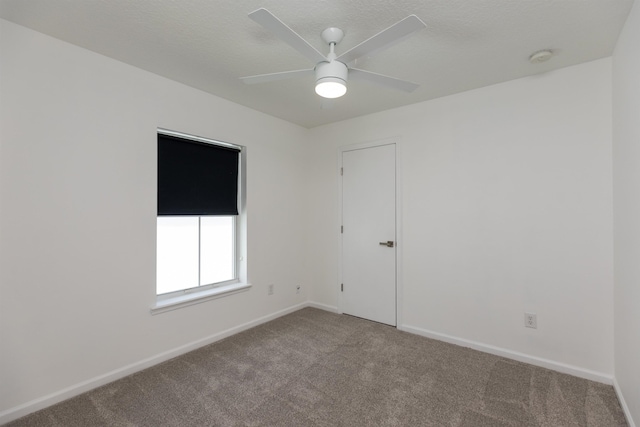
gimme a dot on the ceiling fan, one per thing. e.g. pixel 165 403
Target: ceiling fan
pixel 331 71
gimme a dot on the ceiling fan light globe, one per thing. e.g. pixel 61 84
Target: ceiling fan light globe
pixel 331 87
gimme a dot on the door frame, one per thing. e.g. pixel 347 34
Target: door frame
pixel 399 240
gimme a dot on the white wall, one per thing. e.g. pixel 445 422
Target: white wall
pixel 78 194
pixel 626 203
pixel 506 207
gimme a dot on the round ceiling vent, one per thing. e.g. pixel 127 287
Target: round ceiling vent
pixel 540 56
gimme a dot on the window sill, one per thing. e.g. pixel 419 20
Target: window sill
pixel 185 300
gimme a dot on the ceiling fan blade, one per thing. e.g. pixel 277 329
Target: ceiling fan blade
pixel 270 22
pixel 273 77
pixel 384 39
pixel 390 82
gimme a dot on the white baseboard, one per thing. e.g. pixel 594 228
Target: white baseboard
pixel 623 403
pixel 76 389
pixel 509 354
pixel 324 307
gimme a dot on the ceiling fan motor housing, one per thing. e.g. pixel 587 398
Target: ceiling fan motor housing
pixel 331 70
pixel 331 79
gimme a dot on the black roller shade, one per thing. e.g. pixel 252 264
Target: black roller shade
pixel 196 178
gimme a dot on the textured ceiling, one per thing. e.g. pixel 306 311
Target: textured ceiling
pixel 210 44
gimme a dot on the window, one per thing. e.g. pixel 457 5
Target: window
pixel 195 251
pixel 199 183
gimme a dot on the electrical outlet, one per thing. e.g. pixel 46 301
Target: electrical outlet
pixel 531 320
pixel 298 289
pixel 270 289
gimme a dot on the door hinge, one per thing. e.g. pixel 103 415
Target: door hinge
pixel 341 287
pixel 341 229
pixel 341 171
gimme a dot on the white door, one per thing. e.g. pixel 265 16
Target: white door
pixel 369 233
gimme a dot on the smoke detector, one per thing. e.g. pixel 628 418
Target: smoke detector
pixel 541 56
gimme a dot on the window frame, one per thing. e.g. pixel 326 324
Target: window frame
pixel 195 295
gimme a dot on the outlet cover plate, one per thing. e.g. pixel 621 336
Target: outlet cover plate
pixel 531 320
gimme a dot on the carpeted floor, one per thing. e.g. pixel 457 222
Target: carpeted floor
pixel 314 368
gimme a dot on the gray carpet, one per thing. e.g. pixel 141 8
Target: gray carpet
pixel 313 368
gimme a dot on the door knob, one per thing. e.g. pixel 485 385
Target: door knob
pixel 388 243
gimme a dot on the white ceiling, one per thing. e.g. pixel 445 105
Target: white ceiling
pixel 209 44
